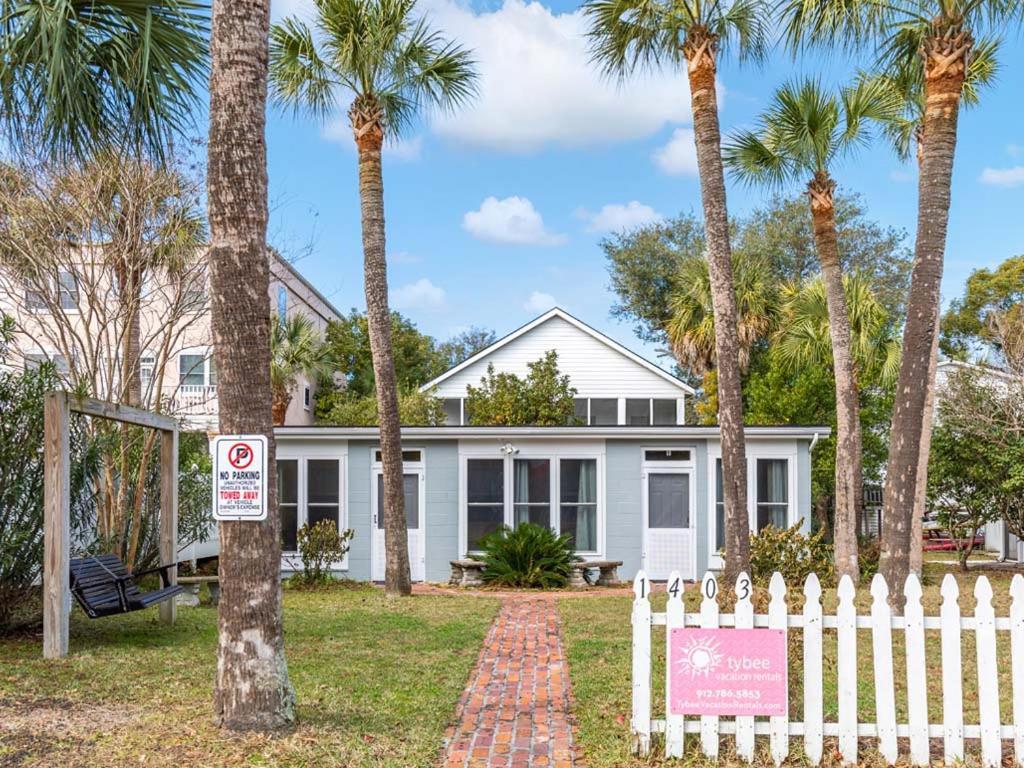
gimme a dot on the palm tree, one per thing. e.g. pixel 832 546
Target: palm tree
pixel 691 325
pixel 631 34
pixel 386 65
pixel 933 42
pixel 79 75
pixel 801 136
pixel 295 349
pixel 252 689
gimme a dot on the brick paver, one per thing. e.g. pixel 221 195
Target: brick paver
pixel 515 712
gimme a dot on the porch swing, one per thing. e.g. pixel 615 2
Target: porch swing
pixel 100 584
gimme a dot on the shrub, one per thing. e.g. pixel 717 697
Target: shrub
pixel 530 556
pixel 792 554
pixel 319 546
pixel 868 554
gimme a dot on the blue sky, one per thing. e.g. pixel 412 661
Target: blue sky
pixel 495 213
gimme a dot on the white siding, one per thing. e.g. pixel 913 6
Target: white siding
pixel 594 368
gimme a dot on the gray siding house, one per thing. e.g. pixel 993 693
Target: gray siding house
pixel 632 482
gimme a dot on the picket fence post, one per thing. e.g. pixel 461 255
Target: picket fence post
pixel 641 722
pixel 846 665
pixel 675 617
pixel 917 683
pixel 952 680
pixel 709 620
pixel 881 651
pixel 1017 664
pixel 744 620
pixel 988 676
pixel 778 725
pixel 813 688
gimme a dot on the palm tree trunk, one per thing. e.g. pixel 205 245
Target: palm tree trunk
pixel 279 407
pixel 944 68
pixel 700 57
pixel 849 469
pixel 924 451
pixel 252 689
pixel 369 139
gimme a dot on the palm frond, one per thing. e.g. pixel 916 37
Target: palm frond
pixel 749 158
pixel 744 27
pixel 630 35
pixel 299 78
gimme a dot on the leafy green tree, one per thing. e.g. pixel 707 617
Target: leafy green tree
pixel 390 66
pixel 544 398
pixel 415 408
pixel 78 76
pixel 989 316
pixel 464 345
pixel 627 35
pixel 295 349
pixel 931 42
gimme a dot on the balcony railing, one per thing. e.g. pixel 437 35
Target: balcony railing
pixel 195 400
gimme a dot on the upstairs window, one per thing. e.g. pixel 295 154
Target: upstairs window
pixel 196 370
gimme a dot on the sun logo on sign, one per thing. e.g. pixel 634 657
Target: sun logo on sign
pixel 700 657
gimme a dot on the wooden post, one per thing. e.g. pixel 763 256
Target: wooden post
pixel 169 515
pixel 56 525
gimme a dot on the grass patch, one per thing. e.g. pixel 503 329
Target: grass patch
pixel 597 638
pixel 377 681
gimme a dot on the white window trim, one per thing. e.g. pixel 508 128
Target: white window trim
pixel 290 561
pixel 554 452
pixel 207 354
pixel 755 451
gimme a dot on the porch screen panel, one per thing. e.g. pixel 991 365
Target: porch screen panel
pixel 322 491
pixel 638 412
pixel 604 411
pixel 668 500
pixel 532 491
pixel 288 502
pixel 772 493
pixel 411 491
pixel 578 502
pixel 485 499
pixel 664 413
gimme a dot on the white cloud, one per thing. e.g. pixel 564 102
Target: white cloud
pixel 538 85
pixel 679 156
pixel 422 295
pixel 539 302
pixel 616 217
pixel 511 220
pixel 1003 177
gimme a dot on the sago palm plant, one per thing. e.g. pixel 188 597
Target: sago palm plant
pixel 384 63
pixel 805 132
pixel 528 556
pixel 627 35
pixel 931 42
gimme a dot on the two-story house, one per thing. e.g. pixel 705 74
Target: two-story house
pixel 631 481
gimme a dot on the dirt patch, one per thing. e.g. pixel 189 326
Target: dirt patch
pixel 61 718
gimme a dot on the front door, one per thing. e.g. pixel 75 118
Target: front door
pixel 668 524
pixel 413 485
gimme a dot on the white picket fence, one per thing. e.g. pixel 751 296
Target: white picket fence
pixel 991 730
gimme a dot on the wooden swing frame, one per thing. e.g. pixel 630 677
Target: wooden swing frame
pixel 58 407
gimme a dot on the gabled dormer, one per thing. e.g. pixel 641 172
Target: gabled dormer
pixel 613 384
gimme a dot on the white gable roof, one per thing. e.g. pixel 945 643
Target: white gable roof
pixel 597 366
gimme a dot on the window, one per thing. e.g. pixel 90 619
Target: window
pixel 664 413
pixel 578 502
pixel 282 304
pixel 668 500
pixel 772 493
pixel 579 410
pixel 666 455
pixel 35 359
pixel 532 492
pixel 604 411
pixel 719 508
pixel 196 370
pixel 288 502
pixel 485 499
pixel 67 290
pixel 322 491
pixel 411 490
pixel 638 412
pixel 35 301
pixel 146 365
pixel 409 457
pixel 452 411
pixel 305 397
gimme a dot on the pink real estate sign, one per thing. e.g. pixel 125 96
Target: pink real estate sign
pixel 727 672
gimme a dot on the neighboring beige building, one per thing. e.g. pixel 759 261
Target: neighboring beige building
pixel 80 318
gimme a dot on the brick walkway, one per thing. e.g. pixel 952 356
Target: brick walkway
pixel 515 711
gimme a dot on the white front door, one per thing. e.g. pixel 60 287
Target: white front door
pixel 669 538
pixel 413 484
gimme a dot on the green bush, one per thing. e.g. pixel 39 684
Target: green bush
pixel 530 556
pixel 792 554
pixel 868 554
pixel 319 546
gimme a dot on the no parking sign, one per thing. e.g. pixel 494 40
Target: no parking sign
pixel 240 477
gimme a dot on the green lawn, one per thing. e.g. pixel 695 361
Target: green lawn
pixel 597 642
pixel 377 683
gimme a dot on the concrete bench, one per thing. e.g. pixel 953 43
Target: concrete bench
pixel 192 584
pixel 466 573
pixel 608 572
